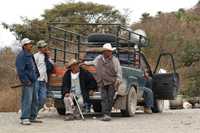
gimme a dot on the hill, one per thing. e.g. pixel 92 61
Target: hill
pixel 177 33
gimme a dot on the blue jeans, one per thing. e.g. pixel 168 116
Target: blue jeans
pixel 41 93
pixel 29 104
pixel 87 106
pixel 148 97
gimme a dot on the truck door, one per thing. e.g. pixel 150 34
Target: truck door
pixel 165 85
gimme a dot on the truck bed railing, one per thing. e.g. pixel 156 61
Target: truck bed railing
pixel 66 43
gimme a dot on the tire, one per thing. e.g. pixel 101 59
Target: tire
pixel 61 111
pixel 158 106
pixel 131 103
pixel 60 107
pixel 97 106
pixel 100 37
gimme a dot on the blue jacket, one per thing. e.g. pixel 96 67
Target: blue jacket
pixel 26 67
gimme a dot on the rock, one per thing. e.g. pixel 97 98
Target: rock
pixel 177 103
pixel 187 105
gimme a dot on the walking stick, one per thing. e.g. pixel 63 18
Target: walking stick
pixel 79 109
pixel 16 86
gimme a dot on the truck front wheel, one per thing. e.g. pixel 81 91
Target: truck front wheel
pixel 131 103
pixel 97 106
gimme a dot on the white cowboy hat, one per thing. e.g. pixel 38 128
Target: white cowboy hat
pixel 108 46
pixel 25 41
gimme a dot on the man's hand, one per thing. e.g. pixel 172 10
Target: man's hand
pixel 48 53
pixel 117 83
pixel 67 94
pixel 91 92
pixel 27 83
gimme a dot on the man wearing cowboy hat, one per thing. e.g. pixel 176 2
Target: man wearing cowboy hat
pixel 28 74
pixel 41 60
pixel 78 82
pixel 108 75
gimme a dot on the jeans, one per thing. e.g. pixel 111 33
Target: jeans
pixel 107 94
pixel 29 104
pixel 147 93
pixel 87 106
pixel 148 97
pixel 41 93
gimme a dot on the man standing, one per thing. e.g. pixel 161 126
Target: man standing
pixel 28 74
pixel 76 83
pixel 108 75
pixel 41 84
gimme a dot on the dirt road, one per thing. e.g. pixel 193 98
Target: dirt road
pixel 171 121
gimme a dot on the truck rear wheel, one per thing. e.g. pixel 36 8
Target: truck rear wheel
pixel 96 106
pixel 131 103
pixel 60 107
pixel 61 111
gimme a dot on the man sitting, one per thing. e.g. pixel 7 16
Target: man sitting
pixel 76 83
pixel 148 94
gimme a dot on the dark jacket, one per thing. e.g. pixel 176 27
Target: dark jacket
pixel 49 65
pixel 87 83
pixel 26 67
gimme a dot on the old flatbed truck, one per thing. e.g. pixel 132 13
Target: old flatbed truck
pixel 66 43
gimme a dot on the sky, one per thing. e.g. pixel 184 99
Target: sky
pixel 11 11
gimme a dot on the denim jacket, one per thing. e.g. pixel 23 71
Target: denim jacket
pixel 26 67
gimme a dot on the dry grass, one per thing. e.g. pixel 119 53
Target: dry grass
pixel 10 99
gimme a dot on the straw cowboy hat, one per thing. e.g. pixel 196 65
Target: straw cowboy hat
pixel 72 62
pixel 108 46
pixel 41 44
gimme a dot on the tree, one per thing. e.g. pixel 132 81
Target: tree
pixel 67 12
pixel 83 12
pixel 34 29
pixel 145 17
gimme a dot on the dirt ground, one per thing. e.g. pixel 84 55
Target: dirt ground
pixel 170 121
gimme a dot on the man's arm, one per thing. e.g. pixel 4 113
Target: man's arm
pixel 20 66
pixel 36 58
pixel 118 69
pixel 94 62
pixel 49 64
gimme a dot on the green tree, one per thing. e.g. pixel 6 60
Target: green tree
pixel 34 29
pixel 67 12
pixel 84 12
